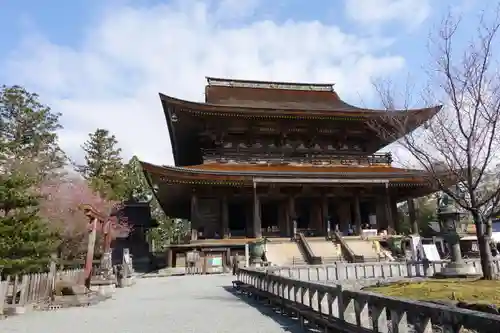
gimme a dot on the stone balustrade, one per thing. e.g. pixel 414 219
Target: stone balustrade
pixel 334 309
pixel 369 270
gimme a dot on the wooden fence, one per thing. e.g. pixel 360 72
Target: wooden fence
pixel 31 289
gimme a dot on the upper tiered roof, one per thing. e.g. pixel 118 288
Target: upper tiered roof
pixel 265 100
pixel 274 95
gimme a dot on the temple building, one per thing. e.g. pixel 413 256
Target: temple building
pixel 271 159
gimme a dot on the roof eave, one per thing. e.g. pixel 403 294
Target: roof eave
pixel 171 130
pixel 249 110
pixel 163 170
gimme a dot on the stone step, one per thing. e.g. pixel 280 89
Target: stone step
pixel 363 248
pixel 283 253
pixel 324 248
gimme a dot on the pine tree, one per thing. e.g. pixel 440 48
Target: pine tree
pixel 28 133
pixel 136 185
pixel 103 166
pixel 25 240
pixel 168 229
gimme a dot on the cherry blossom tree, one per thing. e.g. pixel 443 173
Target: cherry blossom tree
pixel 60 205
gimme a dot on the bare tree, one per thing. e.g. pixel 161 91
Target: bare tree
pixel 462 140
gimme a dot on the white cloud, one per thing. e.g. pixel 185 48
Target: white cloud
pixel 375 12
pixel 113 77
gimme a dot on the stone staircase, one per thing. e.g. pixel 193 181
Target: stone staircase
pixel 329 251
pixel 364 248
pixel 284 252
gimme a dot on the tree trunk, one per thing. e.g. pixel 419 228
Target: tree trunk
pixel 489 228
pixel 484 240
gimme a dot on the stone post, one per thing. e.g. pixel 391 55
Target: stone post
pixel 52 274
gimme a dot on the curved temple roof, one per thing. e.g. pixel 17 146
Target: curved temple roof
pixel 245 174
pixel 271 100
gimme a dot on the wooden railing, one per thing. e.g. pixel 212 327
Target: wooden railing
pixel 28 289
pixel 331 308
pixel 295 155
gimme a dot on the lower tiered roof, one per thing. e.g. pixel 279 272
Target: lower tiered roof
pixel 245 174
pixel 173 185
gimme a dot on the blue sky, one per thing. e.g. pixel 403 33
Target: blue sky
pixel 102 63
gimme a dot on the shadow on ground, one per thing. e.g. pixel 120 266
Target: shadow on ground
pixel 287 324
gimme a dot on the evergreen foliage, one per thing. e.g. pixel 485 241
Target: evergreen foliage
pixel 28 133
pixel 26 242
pixel 168 230
pixel 103 167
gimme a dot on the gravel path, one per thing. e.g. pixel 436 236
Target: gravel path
pixel 183 304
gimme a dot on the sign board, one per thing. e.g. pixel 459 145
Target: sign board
pixel 415 246
pixel 431 253
pixel 369 232
pixel 217 261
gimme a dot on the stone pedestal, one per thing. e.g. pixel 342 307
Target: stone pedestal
pixel 126 282
pixel 105 270
pixel 17 309
pixel 103 287
pixel 256 262
pixel 458 269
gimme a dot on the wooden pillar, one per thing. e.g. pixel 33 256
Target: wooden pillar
pixel 169 257
pixel 291 216
pixel 283 219
pixel 413 217
pixel 194 216
pixel 257 225
pixel 344 216
pixel 395 214
pixel 228 257
pixel 320 229
pixel 388 211
pixel 90 252
pixel 325 215
pixel 381 215
pixel 357 216
pixel 224 217
pixel 249 219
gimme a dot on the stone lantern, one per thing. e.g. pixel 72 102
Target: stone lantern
pixel 449 216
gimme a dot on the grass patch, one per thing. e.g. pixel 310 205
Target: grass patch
pixel 466 290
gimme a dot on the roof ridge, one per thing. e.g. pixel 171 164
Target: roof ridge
pixel 240 83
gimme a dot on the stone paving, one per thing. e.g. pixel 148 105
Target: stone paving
pixel 178 304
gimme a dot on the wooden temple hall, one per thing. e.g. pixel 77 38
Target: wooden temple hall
pixel 271 158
